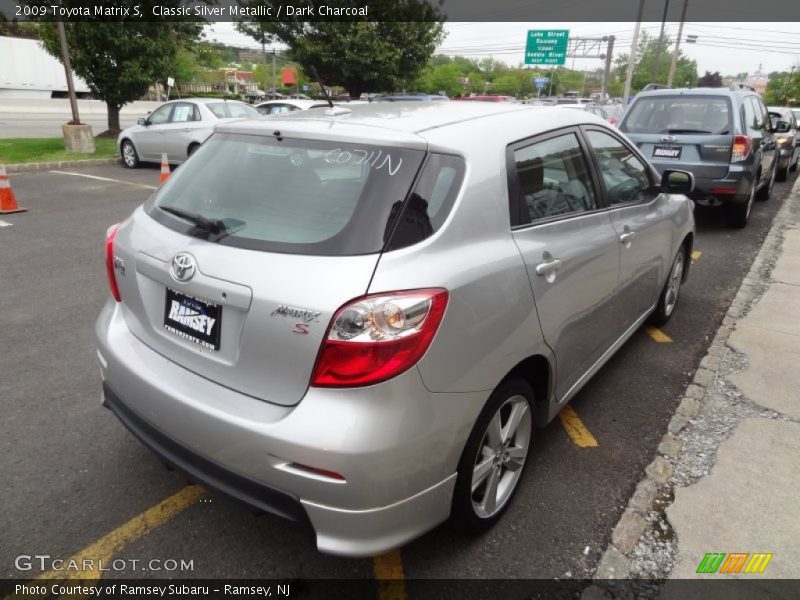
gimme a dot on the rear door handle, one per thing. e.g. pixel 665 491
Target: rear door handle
pixel 627 237
pixel 548 267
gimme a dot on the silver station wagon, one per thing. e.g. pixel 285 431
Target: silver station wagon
pixel 355 318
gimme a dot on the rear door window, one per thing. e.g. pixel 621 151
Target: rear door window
pixel 227 110
pixel 292 196
pixel 679 114
pixel 183 113
pixel 758 118
pixel 624 174
pixel 553 179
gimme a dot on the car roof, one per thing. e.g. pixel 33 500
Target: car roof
pixel 409 116
pixel 698 91
pixel 409 97
pixel 203 100
pixel 298 102
pixel 412 124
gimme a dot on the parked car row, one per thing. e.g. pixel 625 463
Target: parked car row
pixel 357 320
pixel 726 137
pixel 177 128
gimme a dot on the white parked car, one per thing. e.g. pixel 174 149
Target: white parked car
pixel 177 128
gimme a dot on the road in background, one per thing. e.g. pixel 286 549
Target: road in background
pixel 73 474
pixel 43 118
pixel 49 125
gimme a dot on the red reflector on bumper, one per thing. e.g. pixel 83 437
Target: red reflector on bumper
pixel 318 471
pixel 723 190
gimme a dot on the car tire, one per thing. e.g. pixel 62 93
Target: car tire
pixel 671 290
pixel 493 458
pixel 130 158
pixel 737 215
pixel 783 173
pixel 766 191
pixel 793 166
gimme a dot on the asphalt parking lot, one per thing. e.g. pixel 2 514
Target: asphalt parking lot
pixel 77 483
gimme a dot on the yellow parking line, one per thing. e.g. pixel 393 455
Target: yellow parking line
pixel 108 545
pixel 575 428
pixel 388 569
pixel 696 255
pixel 657 334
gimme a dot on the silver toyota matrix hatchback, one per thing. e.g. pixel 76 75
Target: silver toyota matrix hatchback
pixel 356 318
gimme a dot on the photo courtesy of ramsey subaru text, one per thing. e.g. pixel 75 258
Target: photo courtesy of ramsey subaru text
pixel 356 318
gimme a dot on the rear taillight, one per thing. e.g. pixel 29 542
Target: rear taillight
pixel 376 337
pixel 741 148
pixel 111 234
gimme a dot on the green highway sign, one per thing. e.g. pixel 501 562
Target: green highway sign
pixel 546 47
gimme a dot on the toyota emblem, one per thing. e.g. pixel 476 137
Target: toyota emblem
pixel 183 267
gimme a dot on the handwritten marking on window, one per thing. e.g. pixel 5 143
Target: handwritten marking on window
pixel 377 159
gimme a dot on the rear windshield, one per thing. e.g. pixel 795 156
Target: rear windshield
pixel 289 195
pixel 236 110
pixel 679 114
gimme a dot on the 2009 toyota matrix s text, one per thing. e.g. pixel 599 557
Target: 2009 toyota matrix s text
pixel 354 318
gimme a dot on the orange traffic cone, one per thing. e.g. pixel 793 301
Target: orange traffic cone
pixel 8 203
pixel 164 168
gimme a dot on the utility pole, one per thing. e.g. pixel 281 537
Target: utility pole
pixel 607 68
pixel 73 100
pixel 657 62
pixel 632 58
pixel 264 62
pixel 676 51
pixel 274 83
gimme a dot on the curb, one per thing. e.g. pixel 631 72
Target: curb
pixel 61 164
pixel 655 491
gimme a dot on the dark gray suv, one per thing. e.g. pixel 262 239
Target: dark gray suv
pixel 723 136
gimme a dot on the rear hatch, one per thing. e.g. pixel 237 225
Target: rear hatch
pixel 236 265
pixel 691 132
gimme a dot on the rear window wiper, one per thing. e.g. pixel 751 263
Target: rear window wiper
pixel 684 131
pixel 214 226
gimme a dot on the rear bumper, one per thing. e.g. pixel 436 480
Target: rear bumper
pixel 396 444
pixel 734 188
pixel 785 154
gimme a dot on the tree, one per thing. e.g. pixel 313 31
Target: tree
pixel 437 78
pixel 647 53
pixel 119 60
pixel 358 55
pixel 784 89
pixel 710 79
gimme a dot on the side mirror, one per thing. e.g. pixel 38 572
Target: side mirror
pixel 141 121
pixel 677 182
pixel 782 126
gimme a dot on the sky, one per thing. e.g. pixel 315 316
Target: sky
pixel 729 48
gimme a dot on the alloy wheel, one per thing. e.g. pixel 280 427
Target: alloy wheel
pixel 674 284
pixel 501 456
pixel 128 154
